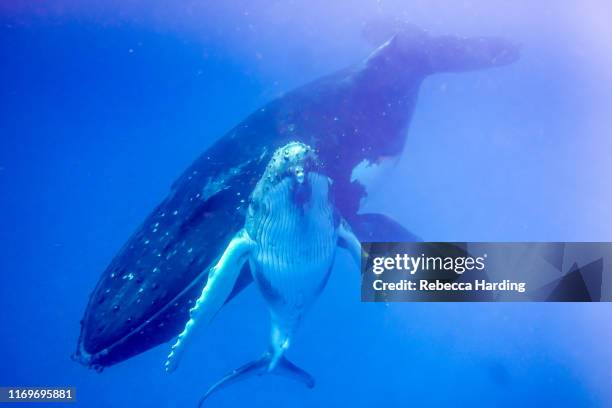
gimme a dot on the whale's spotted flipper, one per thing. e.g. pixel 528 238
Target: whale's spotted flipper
pixel 221 281
pixel 380 228
pixel 283 367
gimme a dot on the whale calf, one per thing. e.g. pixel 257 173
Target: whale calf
pixel 356 118
pixel 289 241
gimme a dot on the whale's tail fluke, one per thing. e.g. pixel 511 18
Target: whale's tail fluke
pixel 443 53
pixel 261 366
pixel 448 53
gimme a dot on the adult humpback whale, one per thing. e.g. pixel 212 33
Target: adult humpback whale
pixel 357 117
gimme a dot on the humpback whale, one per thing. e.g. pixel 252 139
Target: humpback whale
pixel 289 240
pixel 355 118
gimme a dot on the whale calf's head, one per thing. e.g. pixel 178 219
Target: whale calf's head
pixel 294 168
pixel 294 160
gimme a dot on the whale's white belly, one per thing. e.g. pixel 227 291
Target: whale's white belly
pixel 294 253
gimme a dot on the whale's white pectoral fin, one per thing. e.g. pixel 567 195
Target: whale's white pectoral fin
pixel 348 241
pixel 221 279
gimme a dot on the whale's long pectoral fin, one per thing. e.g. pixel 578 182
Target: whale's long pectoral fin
pixel 219 286
pixel 283 367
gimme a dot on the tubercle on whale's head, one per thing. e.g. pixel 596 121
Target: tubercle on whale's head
pixel 291 165
pixel 295 160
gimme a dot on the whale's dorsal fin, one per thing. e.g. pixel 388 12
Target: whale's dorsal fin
pixel 283 367
pixel 221 281
pixel 377 30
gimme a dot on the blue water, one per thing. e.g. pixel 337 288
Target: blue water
pixel 102 107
